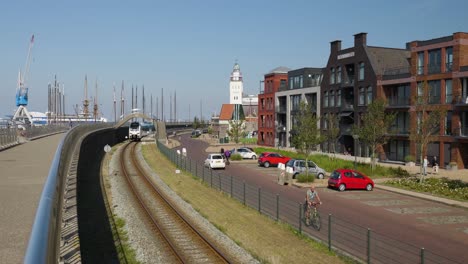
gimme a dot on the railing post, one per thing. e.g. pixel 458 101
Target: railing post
pixel 300 218
pixel 422 255
pixel 231 186
pixel 244 192
pixel 368 246
pixel 329 232
pixel 259 200
pixel 277 207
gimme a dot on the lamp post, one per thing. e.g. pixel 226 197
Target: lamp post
pixel 356 139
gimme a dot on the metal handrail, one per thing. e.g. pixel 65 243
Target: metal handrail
pixel 43 242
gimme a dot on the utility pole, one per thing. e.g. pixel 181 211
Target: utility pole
pixel 122 101
pixel 151 106
pixel 85 101
pixel 162 105
pixel 136 96
pixel 175 105
pixel 144 103
pixel 115 107
pixel 170 107
pixel 132 99
pixel 157 108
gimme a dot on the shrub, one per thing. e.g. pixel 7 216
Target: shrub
pixel 454 189
pixel 399 172
pixel 410 158
pixel 305 178
pixel 235 157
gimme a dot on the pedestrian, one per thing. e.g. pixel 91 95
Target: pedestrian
pixel 425 165
pixel 227 154
pixel 435 165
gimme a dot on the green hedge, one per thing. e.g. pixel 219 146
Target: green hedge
pixel 454 189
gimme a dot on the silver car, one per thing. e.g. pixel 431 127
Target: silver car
pixel 298 166
pixel 245 153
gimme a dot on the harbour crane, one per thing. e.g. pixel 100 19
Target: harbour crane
pixel 22 116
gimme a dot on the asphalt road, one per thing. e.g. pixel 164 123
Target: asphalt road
pixel 439 228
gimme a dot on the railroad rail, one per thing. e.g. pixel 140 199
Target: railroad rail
pixel 183 243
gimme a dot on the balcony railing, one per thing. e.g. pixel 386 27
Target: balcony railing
pixel 347 81
pixel 462 131
pixel 398 101
pixel 431 69
pixel 461 100
pixel 397 72
pixel 347 106
pixel 448 66
pixel 280 109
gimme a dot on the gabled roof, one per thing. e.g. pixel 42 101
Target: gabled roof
pixel 226 112
pixel 387 58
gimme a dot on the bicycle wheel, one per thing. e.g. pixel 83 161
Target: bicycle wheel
pixel 316 222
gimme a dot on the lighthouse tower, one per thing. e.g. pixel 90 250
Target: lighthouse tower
pixel 236 86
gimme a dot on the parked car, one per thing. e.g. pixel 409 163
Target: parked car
pixel 343 179
pixel 245 153
pixel 196 133
pixel 299 166
pixel 215 161
pixel 267 159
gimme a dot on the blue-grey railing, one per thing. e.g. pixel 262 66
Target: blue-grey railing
pixel 43 242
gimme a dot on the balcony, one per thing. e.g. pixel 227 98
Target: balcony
pixel 448 66
pixel 280 109
pixel 396 73
pixel 347 106
pixel 461 100
pixel 461 132
pixel 398 101
pixel 347 81
pixel 433 69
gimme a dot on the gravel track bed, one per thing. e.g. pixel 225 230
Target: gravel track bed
pixel 140 237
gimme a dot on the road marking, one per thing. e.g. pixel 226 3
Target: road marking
pixel 440 220
pixel 418 210
pixel 386 202
pixel 356 196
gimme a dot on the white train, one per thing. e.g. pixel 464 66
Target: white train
pixel 134 131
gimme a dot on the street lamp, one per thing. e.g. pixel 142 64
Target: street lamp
pixel 356 139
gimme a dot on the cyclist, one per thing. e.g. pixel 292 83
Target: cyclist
pixel 310 196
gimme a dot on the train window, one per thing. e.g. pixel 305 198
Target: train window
pixel 134 125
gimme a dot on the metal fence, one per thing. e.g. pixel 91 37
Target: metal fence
pixel 13 136
pixel 356 241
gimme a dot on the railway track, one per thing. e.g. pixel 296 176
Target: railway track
pixel 182 243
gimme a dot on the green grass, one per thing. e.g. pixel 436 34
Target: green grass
pixel 444 187
pixel 329 164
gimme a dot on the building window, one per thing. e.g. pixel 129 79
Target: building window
pixel 282 84
pixel 448 123
pixel 448 59
pixel 338 74
pixel 420 63
pixel 361 71
pixel 295 102
pixel 448 91
pixel 325 122
pixel 332 98
pixel 369 94
pixel 332 76
pixel 301 81
pixel 338 98
pixel 291 83
pixel 420 91
pixel 361 96
pixel 434 92
pixel 325 99
pixel 434 61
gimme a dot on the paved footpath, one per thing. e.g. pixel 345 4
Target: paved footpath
pixel 23 172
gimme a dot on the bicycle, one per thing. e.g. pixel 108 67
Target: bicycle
pixel 312 217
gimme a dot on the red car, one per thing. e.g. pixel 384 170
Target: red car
pixel 268 159
pixel 343 179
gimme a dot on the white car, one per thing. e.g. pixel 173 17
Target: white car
pixel 245 153
pixel 215 161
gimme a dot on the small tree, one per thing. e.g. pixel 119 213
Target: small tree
pixel 307 133
pixel 429 115
pixel 375 127
pixel 332 132
pixel 236 130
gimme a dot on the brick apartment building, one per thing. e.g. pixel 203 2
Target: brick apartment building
pixel 443 64
pixel 350 84
pixel 273 81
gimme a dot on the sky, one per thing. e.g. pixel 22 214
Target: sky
pixel 189 48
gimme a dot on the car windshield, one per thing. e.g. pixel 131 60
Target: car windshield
pixel 134 125
pixel 290 163
pixel 335 175
pixel 216 157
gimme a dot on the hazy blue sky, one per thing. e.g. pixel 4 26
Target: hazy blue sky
pixel 190 47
